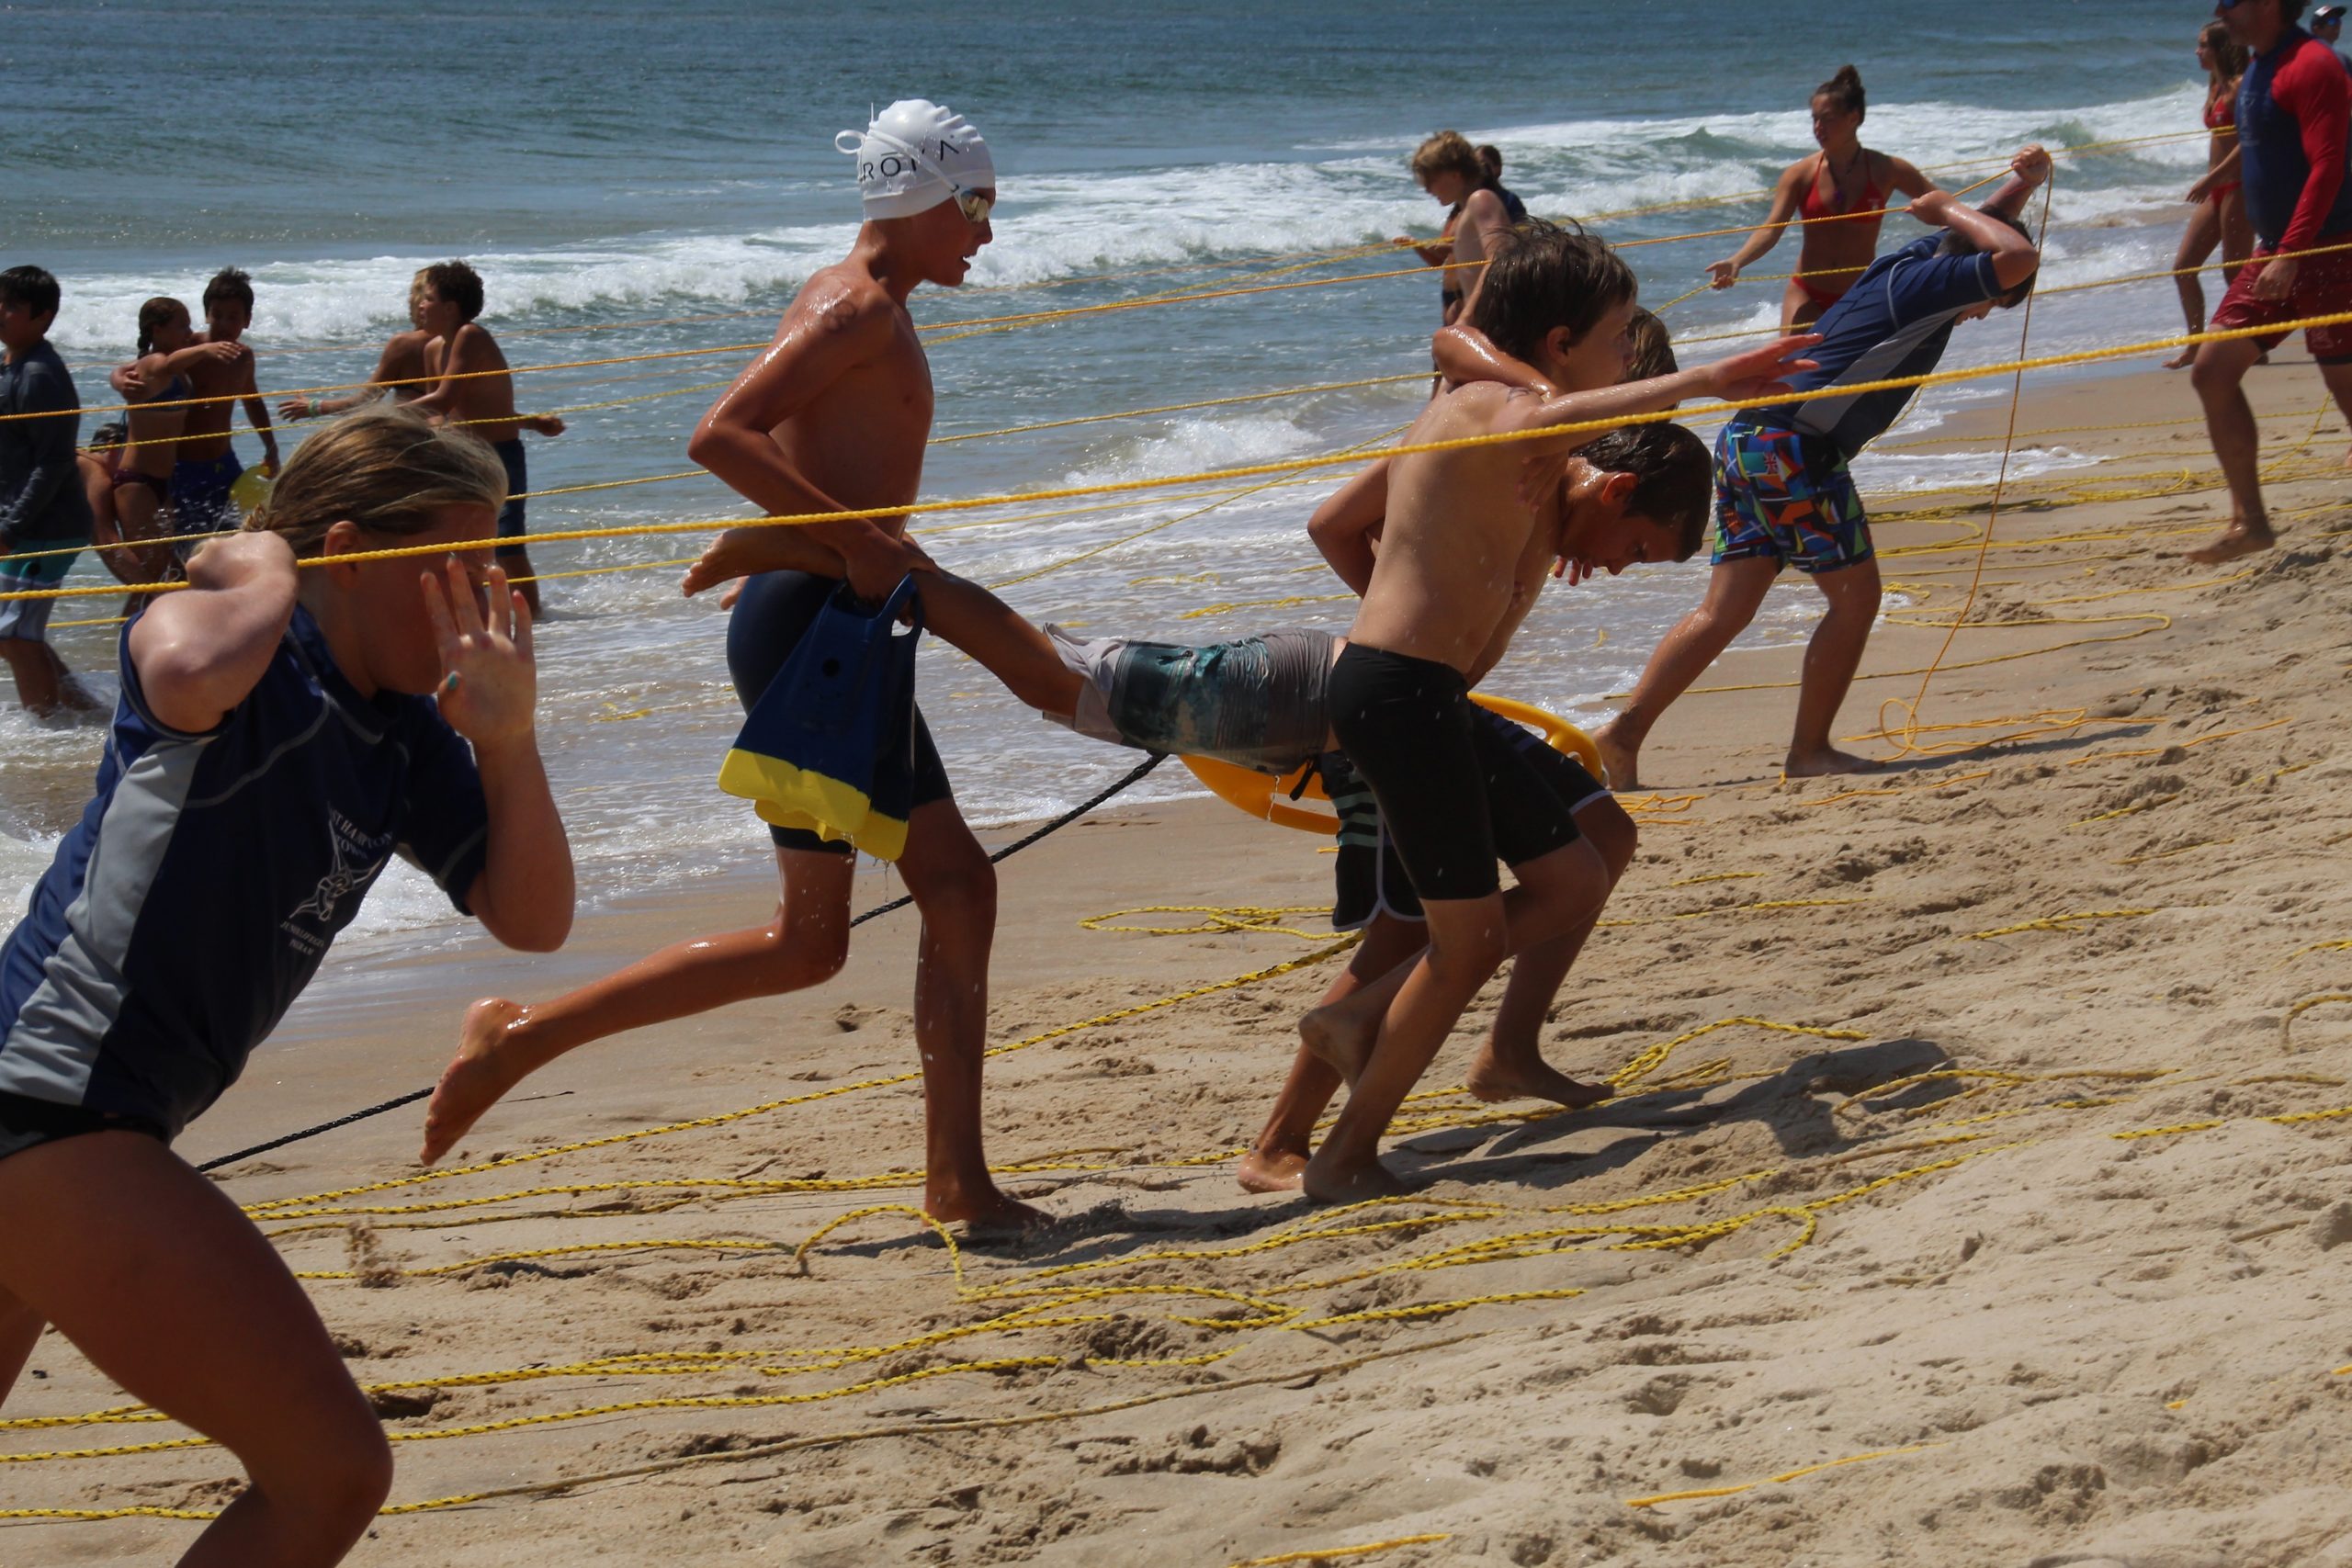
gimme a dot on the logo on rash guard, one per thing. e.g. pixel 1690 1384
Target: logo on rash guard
pixel 357 856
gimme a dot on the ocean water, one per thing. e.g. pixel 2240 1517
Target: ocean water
pixel 642 180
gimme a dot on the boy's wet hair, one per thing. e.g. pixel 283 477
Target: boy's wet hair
pixel 1546 276
pixel 160 312
pixel 1649 349
pixel 390 470
pixel 1957 244
pixel 1844 90
pixel 231 285
pixel 457 282
pixel 114 432
pixel 1674 479
pixel 30 286
pixel 1448 150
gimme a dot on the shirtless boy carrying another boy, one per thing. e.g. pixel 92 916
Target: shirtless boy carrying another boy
pixel 1462 555
pixel 206 465
pixel 835 416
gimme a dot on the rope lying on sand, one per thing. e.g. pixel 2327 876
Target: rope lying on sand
pixel 1133 776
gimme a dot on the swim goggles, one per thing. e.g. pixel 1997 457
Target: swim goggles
pixel 975 207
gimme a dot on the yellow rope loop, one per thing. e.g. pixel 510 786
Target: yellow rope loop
pixel 1215 920
pixel 2287 1023
pixel 1782 1479
pixel 1761 906
pixel 1650 1061
pixel 954 1254
pixel 2177 1127
pixel 1335 1553
pixel 2297 1118
pixel 2057 922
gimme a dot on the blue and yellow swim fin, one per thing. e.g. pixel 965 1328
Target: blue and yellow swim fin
pixel 829 745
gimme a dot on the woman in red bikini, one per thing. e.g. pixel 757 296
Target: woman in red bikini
pixel 2219 218
pixel 1841 192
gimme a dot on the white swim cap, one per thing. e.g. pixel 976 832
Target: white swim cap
pixel 915 156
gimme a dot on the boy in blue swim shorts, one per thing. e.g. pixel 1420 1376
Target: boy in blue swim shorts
pixel 1784 494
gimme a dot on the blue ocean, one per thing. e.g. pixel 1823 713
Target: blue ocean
pixel 640 180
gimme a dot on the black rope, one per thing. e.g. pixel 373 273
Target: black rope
pixel 1133 776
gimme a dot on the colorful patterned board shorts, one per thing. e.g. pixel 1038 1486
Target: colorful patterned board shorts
pixel 1786 497
pixel 2323 287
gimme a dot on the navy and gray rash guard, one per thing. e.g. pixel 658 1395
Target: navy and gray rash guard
pixel 1894 323
pixel 197 894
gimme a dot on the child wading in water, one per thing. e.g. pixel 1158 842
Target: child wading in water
pixel 273 747
pixel 476 390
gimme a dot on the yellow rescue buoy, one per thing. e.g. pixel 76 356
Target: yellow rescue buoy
pixel 1280 799
pixel 250 490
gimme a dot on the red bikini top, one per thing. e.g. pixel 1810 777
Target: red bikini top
pixel 1866 207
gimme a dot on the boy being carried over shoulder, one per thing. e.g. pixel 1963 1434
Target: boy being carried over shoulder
pixel 1466 544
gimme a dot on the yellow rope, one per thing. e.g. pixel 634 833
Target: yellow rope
pixel 2057 922
pixel 1334 1553
pixel 1785 1476
pixel 1283 468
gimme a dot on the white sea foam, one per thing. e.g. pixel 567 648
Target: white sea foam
pixel 1057 226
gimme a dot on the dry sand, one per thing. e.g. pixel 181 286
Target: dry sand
pixel 2023 1219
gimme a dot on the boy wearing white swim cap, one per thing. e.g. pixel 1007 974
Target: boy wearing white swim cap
pixel 833 417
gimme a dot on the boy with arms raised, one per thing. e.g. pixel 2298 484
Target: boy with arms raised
pixel 1785 495
pixel 1463 550
pixel 835 415
pixel 475 390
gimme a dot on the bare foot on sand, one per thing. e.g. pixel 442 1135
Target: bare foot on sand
pixel 1827 762
pixel 1495 1080
pixel 986 1212
pixel 475 1079
pixel 2237 539
pixel 1619 760
pixel 2183 360
pixel 1271 1170
pixel 1341 1039
pixel 1327 1181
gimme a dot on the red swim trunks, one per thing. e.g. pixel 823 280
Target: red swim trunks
pixel 2323 287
